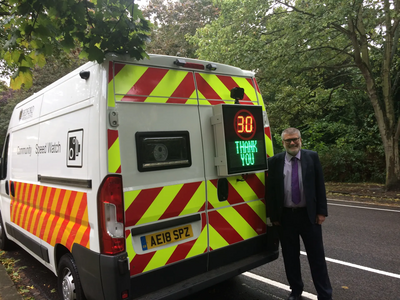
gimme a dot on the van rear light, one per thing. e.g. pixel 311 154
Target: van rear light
pixel 182 63
pixel 111 215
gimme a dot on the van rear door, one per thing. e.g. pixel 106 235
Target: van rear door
pixel 235 204
pixel 158 135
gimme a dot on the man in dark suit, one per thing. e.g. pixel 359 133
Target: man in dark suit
pixel 297 206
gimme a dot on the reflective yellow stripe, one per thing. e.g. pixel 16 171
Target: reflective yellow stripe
pixel 237 222
pixel 75 208
pixel 200 245
pixel 114 161
pixel 56 229
pixel 168 84
pixel 129 197
pixel 129 248
pixel 260 100
pixel 261 176
pixel 196 202
pixel 201 96
pixel 193 99
pixel 160 204
pixel 64 204
pixel 82 229
pixel 259 209
pixel 213 196
pixel 160 258
pixel 71 223
pixel 242 188
pixel 67 231
pixel 248 87
pixel 32 195
pixel 36 211
pixel 48 225
pixel 45 204
pixel 218 87
pixel 110 94
pixel 217 241
pixel 269 146
pixel 126 79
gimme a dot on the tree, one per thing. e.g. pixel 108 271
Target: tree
pixel 36 29
pixel 320 48
pixel 174 22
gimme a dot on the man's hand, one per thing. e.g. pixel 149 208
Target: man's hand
pixel 320 219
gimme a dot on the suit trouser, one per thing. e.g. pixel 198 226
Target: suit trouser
pixel 296 223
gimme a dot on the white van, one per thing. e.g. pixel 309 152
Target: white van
pixel 140 179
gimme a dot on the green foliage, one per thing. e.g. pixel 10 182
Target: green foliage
pixel 36 29
pixel 175 22
pixel 345 164
pixel 320 65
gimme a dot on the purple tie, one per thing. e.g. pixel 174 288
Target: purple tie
pixel 295 181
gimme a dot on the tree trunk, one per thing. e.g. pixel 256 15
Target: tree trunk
pixel 389 136
pixel 384 110
pixel 392 163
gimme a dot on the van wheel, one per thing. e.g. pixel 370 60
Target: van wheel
pixel 4 241
pixel 69 283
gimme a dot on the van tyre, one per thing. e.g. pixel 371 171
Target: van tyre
pixel 4 241
pixel 69 283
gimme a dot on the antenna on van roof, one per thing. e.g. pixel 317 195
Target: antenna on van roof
pixel 237 93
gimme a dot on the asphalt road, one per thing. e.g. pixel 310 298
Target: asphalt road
pixel 362 245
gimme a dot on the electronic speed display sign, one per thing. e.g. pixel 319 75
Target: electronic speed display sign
pixel 239 139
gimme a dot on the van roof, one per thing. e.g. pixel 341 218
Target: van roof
pixel 164 61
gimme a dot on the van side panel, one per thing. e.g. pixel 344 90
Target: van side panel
pixel 53 215
pixel 20 207
pixel 49 168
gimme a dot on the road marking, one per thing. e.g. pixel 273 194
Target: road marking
pixel 312 296
pixel 359 267
pixel 363 207
pixel 278 285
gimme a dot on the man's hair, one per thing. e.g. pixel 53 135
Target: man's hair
pixel 291 130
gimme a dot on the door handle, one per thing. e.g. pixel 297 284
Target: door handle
pixel 12 189
pixel 7 189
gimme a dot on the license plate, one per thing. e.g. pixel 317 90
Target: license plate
pixel 169 236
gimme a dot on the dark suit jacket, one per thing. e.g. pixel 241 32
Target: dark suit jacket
pixel 313 185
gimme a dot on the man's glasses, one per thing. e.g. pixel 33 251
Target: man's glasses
pixel 288 141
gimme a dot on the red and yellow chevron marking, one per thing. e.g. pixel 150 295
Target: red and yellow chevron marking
pixel 140 263
pixel 216 89
pixel 144 84
pixel 114 158
pixel 54 215
pixel 151 205
pixel 242 216
pixel 268 141
pixel 258 92
pixel 157 85
pixel 267 129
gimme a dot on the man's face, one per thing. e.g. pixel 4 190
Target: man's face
pixel 292 143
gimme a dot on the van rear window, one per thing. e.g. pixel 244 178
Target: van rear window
pixel 159 150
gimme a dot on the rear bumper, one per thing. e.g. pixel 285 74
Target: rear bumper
pixel 107 277
pixel 103 277
pixel 192 275
pixel 210 278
